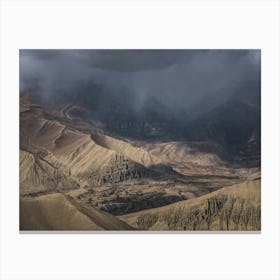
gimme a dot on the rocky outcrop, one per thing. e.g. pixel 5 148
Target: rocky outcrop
pixel 121 169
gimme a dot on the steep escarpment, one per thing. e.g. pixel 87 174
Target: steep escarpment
pixel 232 208
pixel 120 169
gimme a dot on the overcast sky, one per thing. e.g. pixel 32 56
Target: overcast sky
pixel 176 78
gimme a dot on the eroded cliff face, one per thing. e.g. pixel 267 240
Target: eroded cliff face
pixel 220 213
pixel 232 208
pixel 120 169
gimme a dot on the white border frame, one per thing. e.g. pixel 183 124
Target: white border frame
pixel 154 24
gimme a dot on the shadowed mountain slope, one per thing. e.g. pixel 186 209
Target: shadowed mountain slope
pixel 235 125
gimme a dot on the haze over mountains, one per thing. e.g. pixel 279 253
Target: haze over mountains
pixel 122 131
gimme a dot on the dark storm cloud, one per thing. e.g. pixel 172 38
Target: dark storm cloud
pixel 178 79
pixel 115 60
pixel 134 60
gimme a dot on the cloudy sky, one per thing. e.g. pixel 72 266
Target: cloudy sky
pixel 178 79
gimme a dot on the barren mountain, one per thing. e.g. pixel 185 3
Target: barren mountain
pixel 237 207
pixel 119 176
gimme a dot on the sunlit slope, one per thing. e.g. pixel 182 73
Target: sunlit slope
pixel 37 175
pixel 61 146
pixel 237 207
pixel 57 212
pixel 183 156
pixel 86 159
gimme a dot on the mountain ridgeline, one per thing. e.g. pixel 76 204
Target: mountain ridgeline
pixel 234 124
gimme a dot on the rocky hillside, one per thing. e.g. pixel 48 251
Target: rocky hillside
pixel 77 154
pixel 120 169
pixel 39 176
pixel 232 208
